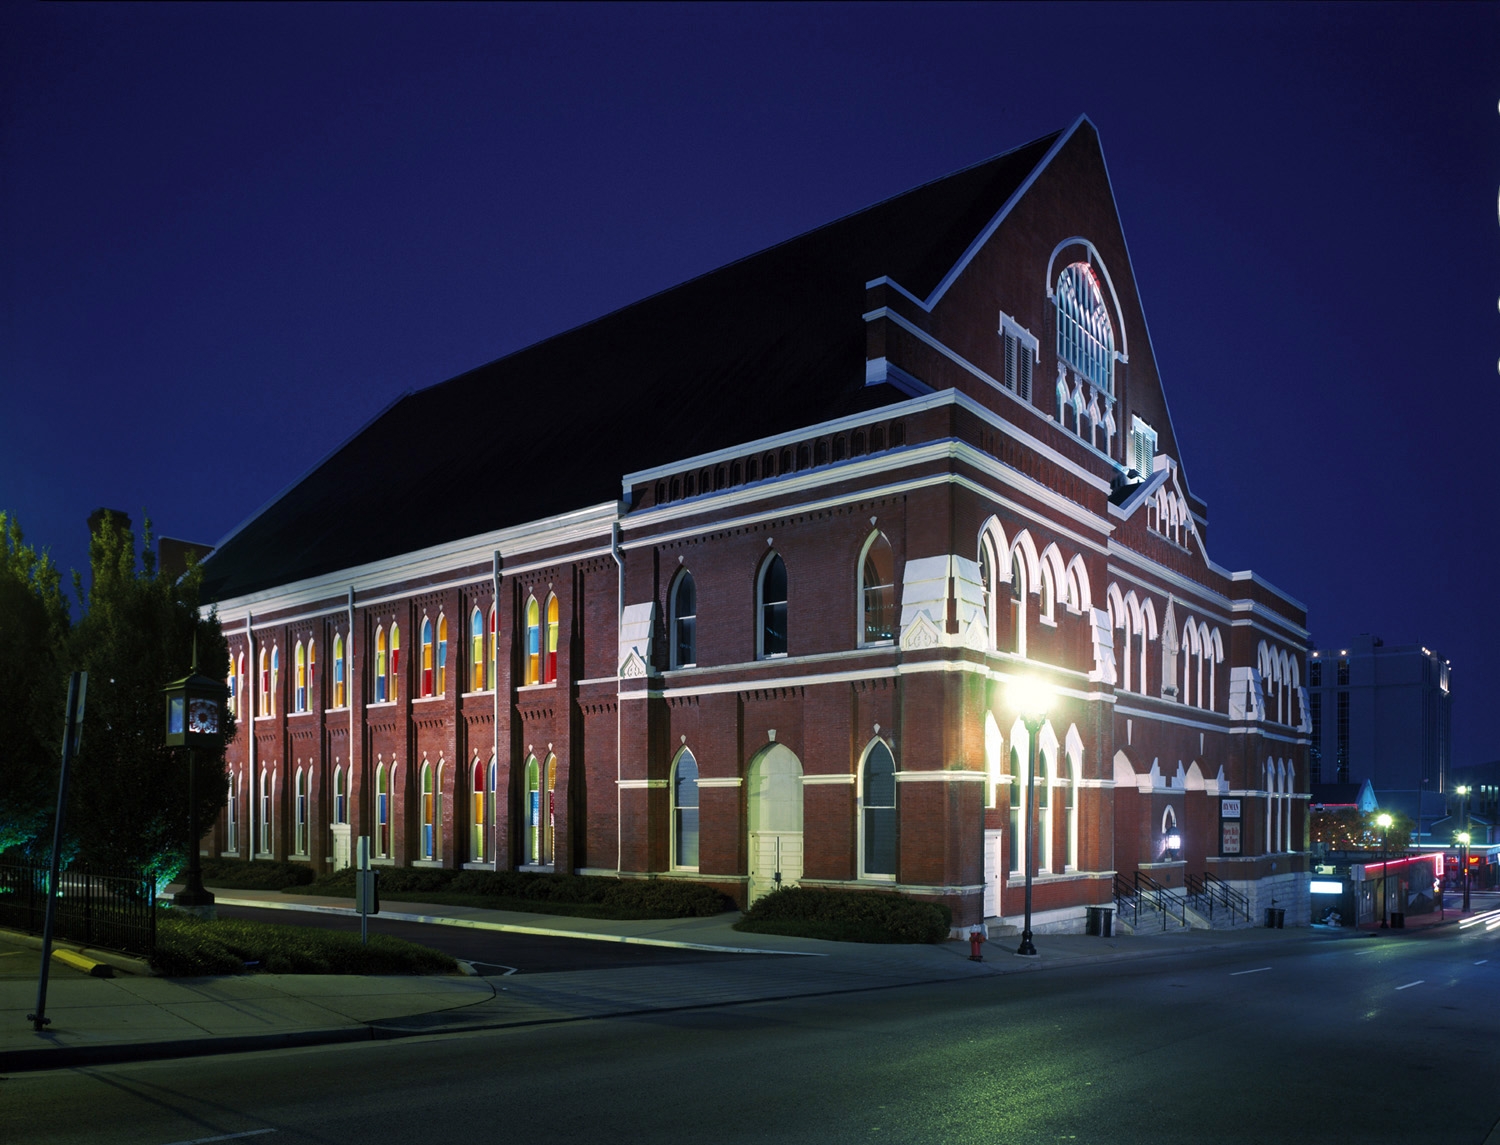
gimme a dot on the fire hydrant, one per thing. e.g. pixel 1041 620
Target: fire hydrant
pixel 976 940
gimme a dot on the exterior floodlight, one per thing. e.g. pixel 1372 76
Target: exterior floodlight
pixel 1383 820
pixel 1463 838
pixel 1032 699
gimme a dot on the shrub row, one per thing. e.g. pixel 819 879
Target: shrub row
pixel 265 875
pixel 847 916
pixel 620 898
pixel 189 947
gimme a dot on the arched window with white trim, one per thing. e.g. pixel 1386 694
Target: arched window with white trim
pixel 1072 778
pixel 383 810
pixel 684 620
pixel 232 815
pixel 533 668
pixel 477 659
pixel 382 667
pixel 877 812
pixel 549 664
pixel 1085 335
pixel 427 657
pixel 395 685
pixel 771 608
pixel 685 812
pixel 1018 588
pixel 299 812
pixel 1046 780
pixel 441 684
pixel 479 813
pixel 267 833
pixel 340 696
pixel 429 812
pixel 877 591
pixel 299 692
pixel 340 796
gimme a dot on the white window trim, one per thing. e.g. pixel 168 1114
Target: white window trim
pixel 859 810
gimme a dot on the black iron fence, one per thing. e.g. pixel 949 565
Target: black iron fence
pixel 111 910
pixel 1210 893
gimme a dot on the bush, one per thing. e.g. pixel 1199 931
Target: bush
pixel 259 876
pixel 189 947
pixel 847 916
pixel 590 896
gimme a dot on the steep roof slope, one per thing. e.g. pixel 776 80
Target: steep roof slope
pixel 759 347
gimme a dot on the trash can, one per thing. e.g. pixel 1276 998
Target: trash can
pixel 1101 921
pixel 1398 920
pixel 1275 918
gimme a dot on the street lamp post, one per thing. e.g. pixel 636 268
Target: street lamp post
pixel 1031 698
pixel 1463 842
pixel 195 718
pixel 1384 821
pixel 1464 835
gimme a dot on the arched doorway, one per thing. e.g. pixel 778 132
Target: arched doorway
pixel 775 820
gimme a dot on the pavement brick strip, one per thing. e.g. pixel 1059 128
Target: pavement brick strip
pixel 133 1016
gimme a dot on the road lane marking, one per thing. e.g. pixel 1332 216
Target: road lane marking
pixel 1374 950
pixel 1481 962
pixel 1409 985
pixel 224 1137
pixel 1257 970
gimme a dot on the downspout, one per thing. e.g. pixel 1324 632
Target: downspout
pixel 349 703
pixel 494 669
pixel 615 550
pixel 254 692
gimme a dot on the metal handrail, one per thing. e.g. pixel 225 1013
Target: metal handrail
pixel 1161 898
pixel 1127 898
pixel 1235 902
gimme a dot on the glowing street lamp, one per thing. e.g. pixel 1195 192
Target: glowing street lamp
pixel 195 719
pixel 1032 699
pixel 1383 820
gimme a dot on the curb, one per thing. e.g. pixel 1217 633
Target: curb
pixel 511 928
pixel 90 957
pixel 72 1057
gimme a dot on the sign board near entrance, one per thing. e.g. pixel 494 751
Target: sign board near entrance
pixel 1230 844
pixel 1229 808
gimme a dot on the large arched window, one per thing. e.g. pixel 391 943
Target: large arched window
pixel 987 585
pixel 877 802
pixel 229 688
pixel 382 667
pixel 232 816
pixel 533 670
pixel 267 834
pixel 685 811
pixel 877 591
pixel 441 688
pixel 340 797
pixel 427 657
pixel 550 668
pixel 476 651
pixel 1085 337
pixel 240 689
pixel 771 607
pixel 684 619
pixel 1073 755
pixel 299 694
pixel 275 679
pixel 1046 765
pixel 263 690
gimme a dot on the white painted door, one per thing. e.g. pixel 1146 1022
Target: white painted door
pixel 341 846
pixel 775 813
pixel 994 870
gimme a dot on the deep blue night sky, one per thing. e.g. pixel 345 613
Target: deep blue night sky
pixel 231 235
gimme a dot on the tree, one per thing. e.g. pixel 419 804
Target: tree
pixel 127 803
pixel 33 687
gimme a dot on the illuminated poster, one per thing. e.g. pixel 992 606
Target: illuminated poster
pixel 1230 844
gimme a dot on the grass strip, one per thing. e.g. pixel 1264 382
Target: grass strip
pixel 188 947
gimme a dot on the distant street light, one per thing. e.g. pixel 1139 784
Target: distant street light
pixel 195 718
pixel 1383 820
pixel 1031 698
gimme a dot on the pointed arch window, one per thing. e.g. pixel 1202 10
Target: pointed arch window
pixel 877 591
pixel 340 796
pixel 684 613
pixel 229 684
pixel 1047 765
pixel 1017 806
pixel 494 658
pixel 685 812
pixel 300 813
pixel 299 694
pixel 533 641
pixel 441 683
pixel 987 584
pixel 275 679
pixel 382 811
pixel 772 602
pixel 429 812
pixel 877 800
pixel 312 674
pixel 1018 602
pixel 476 651
pixel 240 689
pixel 479 817
pixel 266 831
pixel 382 666
pixel 340 696
pixel 553 627
pixel 232 816
pixel 395 662
pixel 541 786
pixel 1085 336
pixel 1047 608
pixel 427 657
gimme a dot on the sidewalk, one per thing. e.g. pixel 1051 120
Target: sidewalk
pixel 135 1017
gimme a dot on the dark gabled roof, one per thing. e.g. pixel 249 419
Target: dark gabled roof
pixel 762 346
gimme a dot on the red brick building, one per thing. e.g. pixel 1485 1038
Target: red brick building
pixel 735 584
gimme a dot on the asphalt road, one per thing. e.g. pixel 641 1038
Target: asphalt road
pixel 1388 1039
pixel 496 952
